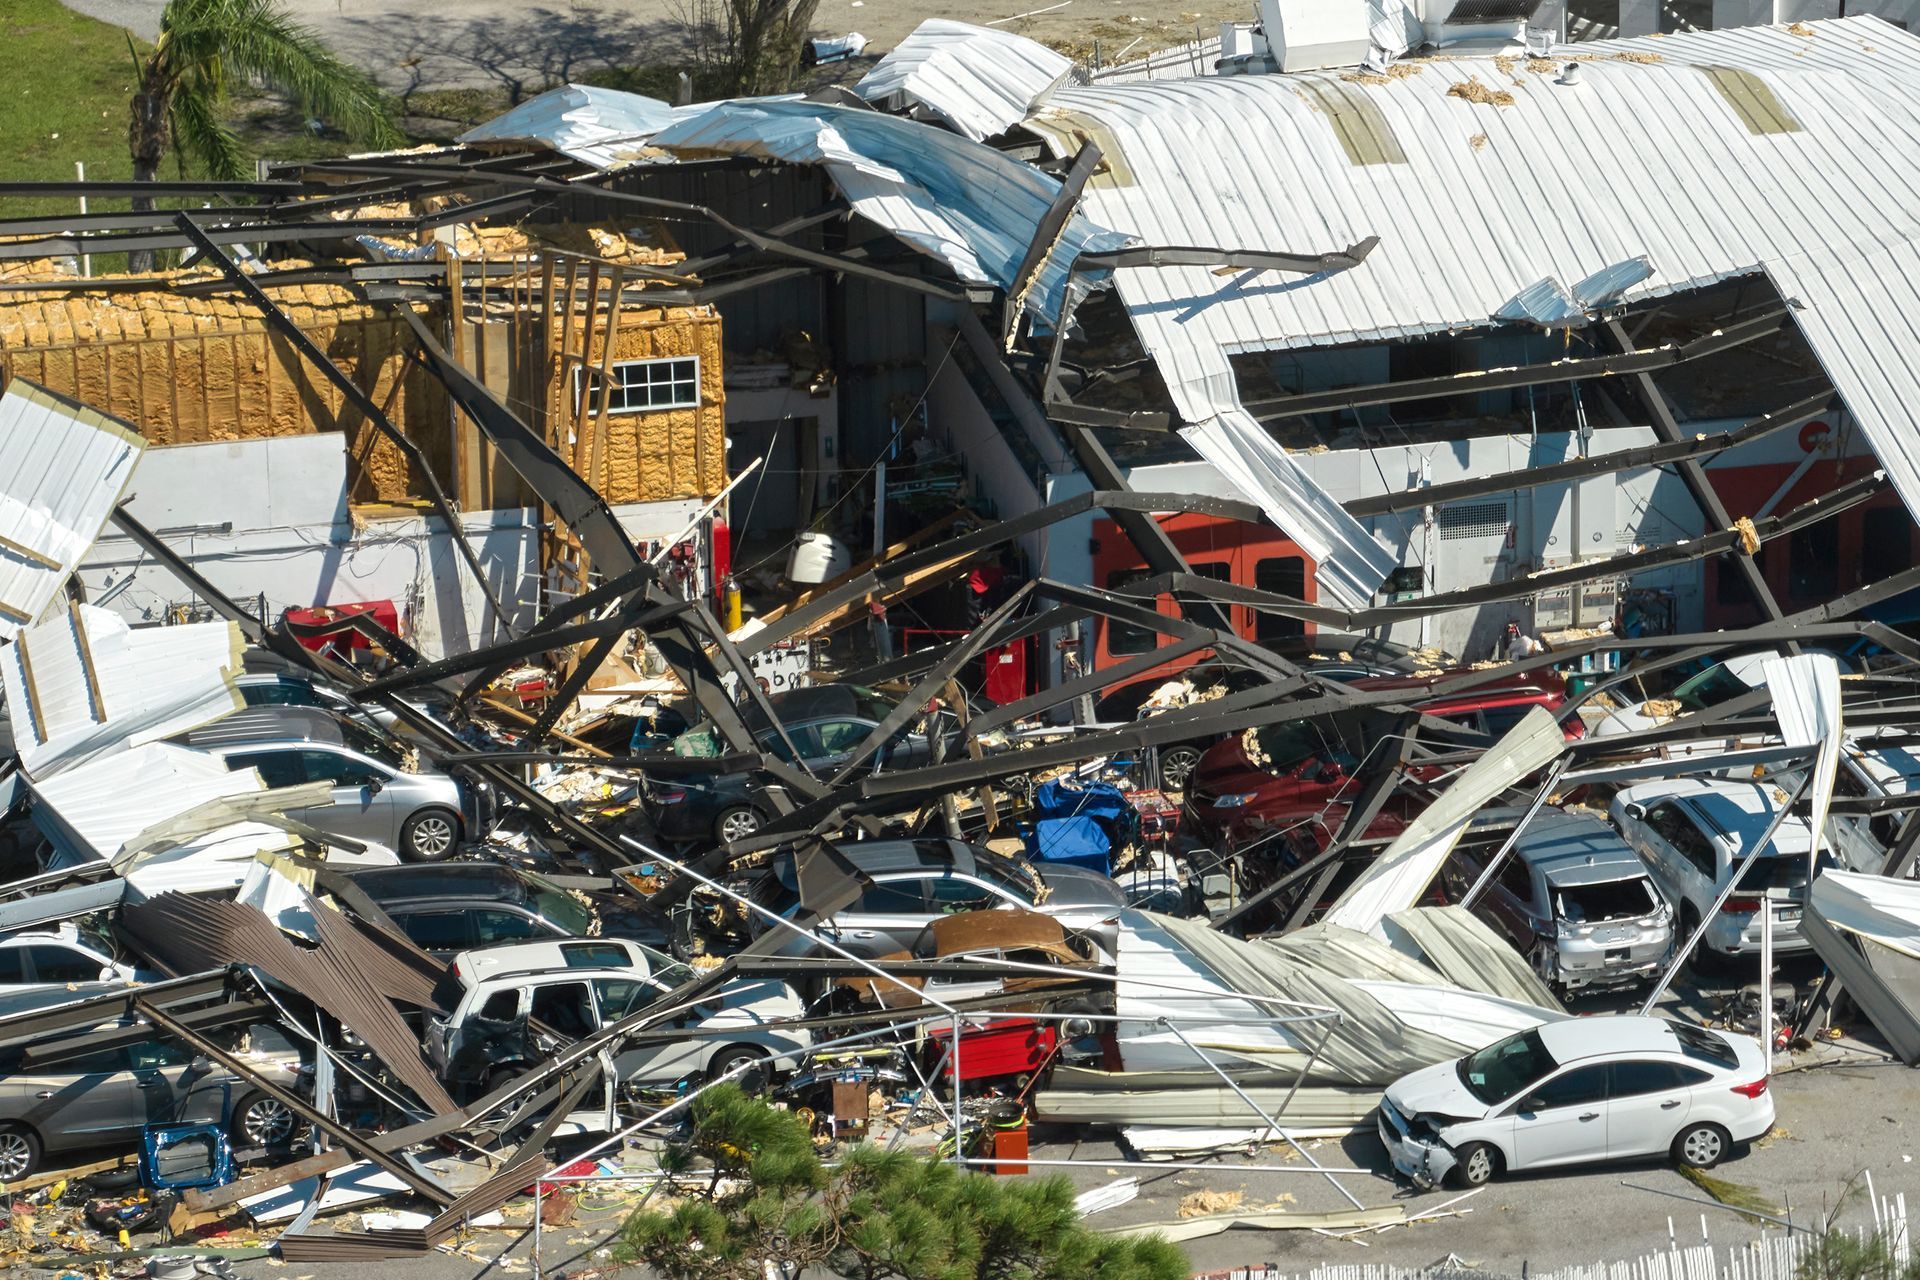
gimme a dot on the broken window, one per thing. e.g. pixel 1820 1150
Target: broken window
pixel 1608 900
pixel 565 1007
pixel 1516 877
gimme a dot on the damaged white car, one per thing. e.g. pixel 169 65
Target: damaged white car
pixel 1571 1092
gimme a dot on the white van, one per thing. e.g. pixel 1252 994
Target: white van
pixel 509 1009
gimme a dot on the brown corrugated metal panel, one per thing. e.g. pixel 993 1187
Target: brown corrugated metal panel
pixel 351 979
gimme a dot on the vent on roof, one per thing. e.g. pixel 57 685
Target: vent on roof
pixel 1358 123
pixel 1756 105
pixel 1493 11
pixel 1474 520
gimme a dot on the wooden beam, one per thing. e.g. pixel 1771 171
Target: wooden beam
pixel 86 662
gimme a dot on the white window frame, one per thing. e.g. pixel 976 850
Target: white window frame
pixel 621 401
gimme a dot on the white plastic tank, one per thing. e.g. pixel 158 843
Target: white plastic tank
pixel 817 557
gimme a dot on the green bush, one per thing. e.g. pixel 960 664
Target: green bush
pixel 879 1215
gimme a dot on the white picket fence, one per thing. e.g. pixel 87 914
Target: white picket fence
pixel 1772 1256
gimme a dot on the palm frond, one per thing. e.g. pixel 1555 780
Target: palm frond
pixel 197 128
pixel 258 40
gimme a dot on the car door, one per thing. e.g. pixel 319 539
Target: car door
pixel 173 1092
pixel 1647 1102
pixel 364 807
pixel 86 1101
pixel 1562 1120
pixel 648 1064
pixel 888 916
pixel 1654 838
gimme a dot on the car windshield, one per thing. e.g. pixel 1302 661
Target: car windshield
pixel 557 906
pixel 375 745
pixel 1505 1067
pixel 1710 688
pixel 1281 746
pixel 1013 875
pixel 1696 1042
pixel 1608 900
pixel 664 969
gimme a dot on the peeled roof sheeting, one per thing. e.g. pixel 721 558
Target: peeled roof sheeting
pixel 1467 953
pixel 956 200
pixel 604 128
pixel 107 802
pixel 1651 151
pixel 63 468
pixel 348 975
pixel 85 683
pixel 979 80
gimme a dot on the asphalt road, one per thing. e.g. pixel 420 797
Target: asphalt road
pixel 410 45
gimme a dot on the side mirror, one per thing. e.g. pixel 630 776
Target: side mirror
pixel 1636 811
pixel 200 1065
pixel 375 784
pixel 1530 1105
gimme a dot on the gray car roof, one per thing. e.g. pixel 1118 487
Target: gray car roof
pixel 1576 848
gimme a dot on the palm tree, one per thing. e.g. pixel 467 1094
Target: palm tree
pixel 203 46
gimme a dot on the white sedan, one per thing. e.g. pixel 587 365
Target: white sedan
pixel 1582 1090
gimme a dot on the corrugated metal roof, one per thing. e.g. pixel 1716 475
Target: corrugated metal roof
pixel 85 683
pixel 1714 155
pixel 601 127
pixel 954 199
pixel 107 802
pixel 979 80
pixel 63 467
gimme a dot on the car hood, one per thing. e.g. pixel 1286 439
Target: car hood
pixel 1435 1091
pixel 1078 891
pixel 1226 770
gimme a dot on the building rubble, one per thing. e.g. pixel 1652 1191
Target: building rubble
pixel 1003 605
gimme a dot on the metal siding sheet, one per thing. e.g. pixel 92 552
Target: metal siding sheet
pixel 63 468
pixel 106 802
pixel 981 81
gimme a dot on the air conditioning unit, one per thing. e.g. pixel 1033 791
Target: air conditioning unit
pixel 1308 35
pixel 1476 24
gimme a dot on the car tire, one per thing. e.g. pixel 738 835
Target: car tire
pixel 513 1109
pixel 1689 921
pixel 737 823
pixel 19 1152
pixel 1701 1146
pixel 431 835
pixel 1476 1164
pixel 754 1079
pixel 260 1120
pixel 1177 764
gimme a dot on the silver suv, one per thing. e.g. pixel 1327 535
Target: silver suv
pixel 381 794
pixel 1576 900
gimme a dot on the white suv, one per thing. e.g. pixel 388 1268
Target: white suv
pixel 1691 832
pixel 511 1007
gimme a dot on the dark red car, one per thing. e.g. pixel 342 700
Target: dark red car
pixel 1269 779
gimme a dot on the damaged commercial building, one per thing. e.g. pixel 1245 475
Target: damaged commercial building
pixel 1180 607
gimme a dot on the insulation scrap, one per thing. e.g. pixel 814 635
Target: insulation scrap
pixel 1366 77
pixel 1636 55
pixel 1749 536
pixel 1250 744
pixel 1477 141
pixel 1200 1204
pixel 1473 91
pixel 1800 29
pixel 1661 708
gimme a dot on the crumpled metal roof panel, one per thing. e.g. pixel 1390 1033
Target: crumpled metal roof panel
pixel 980 80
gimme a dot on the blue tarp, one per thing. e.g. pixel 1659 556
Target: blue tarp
pixel 1095 800
pixel 1079 841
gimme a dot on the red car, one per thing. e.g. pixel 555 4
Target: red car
pixel 1274 777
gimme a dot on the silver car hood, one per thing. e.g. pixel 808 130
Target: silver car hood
pixel 1435 1090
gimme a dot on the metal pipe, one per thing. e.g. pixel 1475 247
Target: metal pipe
pixel 1247 1098
pixel 1726 891
pixel 1513 837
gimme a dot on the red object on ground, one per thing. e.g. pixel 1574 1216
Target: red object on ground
pixel 1005 1047
pixel 578 1169
pixel 1006 672
pixel 384 612
pixel 720 538
pixel 1010 1149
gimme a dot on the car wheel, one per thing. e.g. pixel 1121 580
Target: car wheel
pixel 737 823
pixel 1689 921
pixel 19 1153
pixel 1177 765
pixel 429 836
pixel 515 1107
pixel 750 1061
pixel 1701 1146
pixel 1476 1164
pixel 261 1121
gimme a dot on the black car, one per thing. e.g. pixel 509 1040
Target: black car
pixel 455 907
pixel 825 724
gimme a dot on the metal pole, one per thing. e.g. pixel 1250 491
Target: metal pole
pixel 1247 1098
pixel 86 259
pixel 1726 890
pixel 705 511
pixel 959 1120
pixel 1513 837
pixel 1766 980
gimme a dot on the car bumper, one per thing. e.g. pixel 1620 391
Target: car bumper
pixel 1743 939
pixel 1757 1122
pixel 1425 1162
